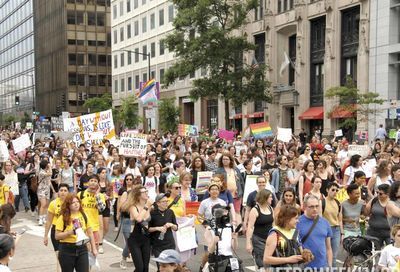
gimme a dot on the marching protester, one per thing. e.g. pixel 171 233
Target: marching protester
pixel 7 250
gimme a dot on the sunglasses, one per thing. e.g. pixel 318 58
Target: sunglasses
pixel 381 193
pixel 128 179
pixel 335 190
pixel 177 187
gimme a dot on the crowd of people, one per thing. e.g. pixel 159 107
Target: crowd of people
pixel 311 195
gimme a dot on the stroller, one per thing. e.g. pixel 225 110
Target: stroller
pixel 361 252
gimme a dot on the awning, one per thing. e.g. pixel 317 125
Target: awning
pixel 236 116
pixel 313 113
pixel 343 111
pixel 255 115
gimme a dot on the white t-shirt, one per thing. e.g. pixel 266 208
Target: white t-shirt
pixel 342 156
pixel 225 243
pixel 4 268
pixel 206 206
pixel 388 256
pixel 350 172
pixel 151 184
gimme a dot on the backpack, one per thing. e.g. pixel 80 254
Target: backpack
pixel 155 180
pixel 357 245
pixel 324 205
pixel 84 218
pixel 292 245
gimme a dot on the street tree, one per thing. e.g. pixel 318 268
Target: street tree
pixel 357 103
pixel 102 103
pixel 168 115
pixel 207 36
pixel 129 112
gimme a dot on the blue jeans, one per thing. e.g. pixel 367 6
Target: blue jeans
pixel 23 193
pixel 126 231
pixel 335 243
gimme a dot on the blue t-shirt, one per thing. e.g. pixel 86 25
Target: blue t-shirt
pixel 316 240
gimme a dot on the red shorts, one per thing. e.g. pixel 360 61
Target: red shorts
pixel 237 204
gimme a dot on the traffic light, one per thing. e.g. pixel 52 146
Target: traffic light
pixel 79 96
pixel 17 100
pixel 63 101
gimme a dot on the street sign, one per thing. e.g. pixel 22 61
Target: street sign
pixel 150 113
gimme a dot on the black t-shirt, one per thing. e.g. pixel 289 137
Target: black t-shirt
pixel 83 182
pixel 251 199
pixel 159 219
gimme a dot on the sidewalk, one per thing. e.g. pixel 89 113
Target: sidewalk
pixel 31 255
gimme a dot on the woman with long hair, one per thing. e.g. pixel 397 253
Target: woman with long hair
pixel 260 223
pixel 68 175
pixel 288 198
pixel 382 176
pixel 139 242
pixel 322 172
pixel 116 180
pixel 53 213
pixel 43 191
pixel 305 185
pixel 73 254
pixel 175 201
pixel 306 156
pixel 106 190
pixel 198 165
pixel 84 178
pixel 150 181
pixel 158 174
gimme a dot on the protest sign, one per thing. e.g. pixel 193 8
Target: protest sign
pixel 240 148
pixel 133 145
pixel 226 134
pixel 186 238
pixel 86 124
pixel 42 125
pixel 17 125
pixel 4 155
pixel 21 143
pixel 65 135
pixel 261 130
pixel 338 133
pixel 284 134
pixel 368 167
pixel 203 181
pixel 363 135
pixel 250 186
pixel 57 123
pixel 392 133
pixel 362 150
pixel 28 125
pixel 115 142
pixel 188 130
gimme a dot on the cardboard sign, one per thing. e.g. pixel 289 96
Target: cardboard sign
pixel 188 130
pixel 284 134
pixel 362 150
pixel 21 143
pixel 363 135
pixel 186 238
pixel 4 155
pixel 133 145
pixel 65 135
pixel 28 125
pixel 57 123
pixel 203 181
pixel 250 186
pixel 226 134
pixel 369 167
pixel 338 133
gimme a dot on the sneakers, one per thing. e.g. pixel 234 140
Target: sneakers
pixel 116 229
pixel 122 264
pixel 101 249
pixel 40 221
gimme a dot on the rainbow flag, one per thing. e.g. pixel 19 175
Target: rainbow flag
pixel 261 130
pixel 149 91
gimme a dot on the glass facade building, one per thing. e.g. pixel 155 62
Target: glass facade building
pixel 17 72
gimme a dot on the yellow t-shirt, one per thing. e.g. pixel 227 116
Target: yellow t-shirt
pixel 3 189
pixel 178 208
pixel 89 205
pixel 60 227
pixel 55 209
pixel 288 234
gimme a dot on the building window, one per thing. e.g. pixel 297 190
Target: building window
pixel 128 31
pixel 115 36
pixel 91 43
pixel 121 8
pixel 162 72
pixel 136 26
pixel 137 82
pixel 91 18
pixel 136 54
pixel 121 34
pixel 92 59
pixel 259 52
pixel 152 21
pixel 115 61
pixel 144 25
pixel 349 44
pixel 285 5
pixel 101 19
pixel 115 12
pixel 144 51
pixel 135 4
pixel 144 77
pixel 153 49
pixel 102 80
pixel 71 59
pixel 162 47
pixel 129 57
pixel 122 85
pixel 122 58
pixel 92 80
pixel 152 74
pixel 129 83
pixel 116 86
pixel 317 53
pixel 170 13
pixel 259 10
pixel 161 17
pixel 81 80
pixel 143 2
pixel 292 57
pixel 102 60
pixel 128 5
pixel 258 106
pixel 72 79
pixel 212 114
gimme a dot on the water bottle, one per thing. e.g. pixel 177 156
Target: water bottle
pixel 161 236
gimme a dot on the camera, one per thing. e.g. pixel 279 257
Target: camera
pixel 220 217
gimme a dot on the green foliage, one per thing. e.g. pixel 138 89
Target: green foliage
pixel 9 119
pixel 205 37
pixel 355 101
pixel 168 115
pixel 129 112
pixel 24 119
pixel 102 103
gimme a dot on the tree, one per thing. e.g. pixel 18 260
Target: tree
pixel 205 37
pixel 168 115
pixel 129 112
pixel 101 103
pixel 26 118
pixel 354 101
pixel 9 119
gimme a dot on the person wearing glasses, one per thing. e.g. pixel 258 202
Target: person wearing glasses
pixel 175 201
pixel 378 225
pixel 315 234
pixel 332 211
pixel 306 156
pixel 282 177
pixel 139 241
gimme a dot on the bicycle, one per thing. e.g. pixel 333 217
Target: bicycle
pixel 361 260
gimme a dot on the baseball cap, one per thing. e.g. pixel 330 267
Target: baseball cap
pixel 151 153
pixel 168 256
pixel 328 147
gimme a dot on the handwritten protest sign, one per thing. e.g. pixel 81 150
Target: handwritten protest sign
pixel 338 133
pixel 369 167
pixel 226 134
pixel 186 238
pixel 188 130
pixel 4 155
pixel 284 134
pixel 21 143
pixel 86 124
pixel 250 186
pixel 203 181
pixel 362 150
pixel 133 145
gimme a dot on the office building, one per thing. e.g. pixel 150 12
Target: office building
pixel 72 53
